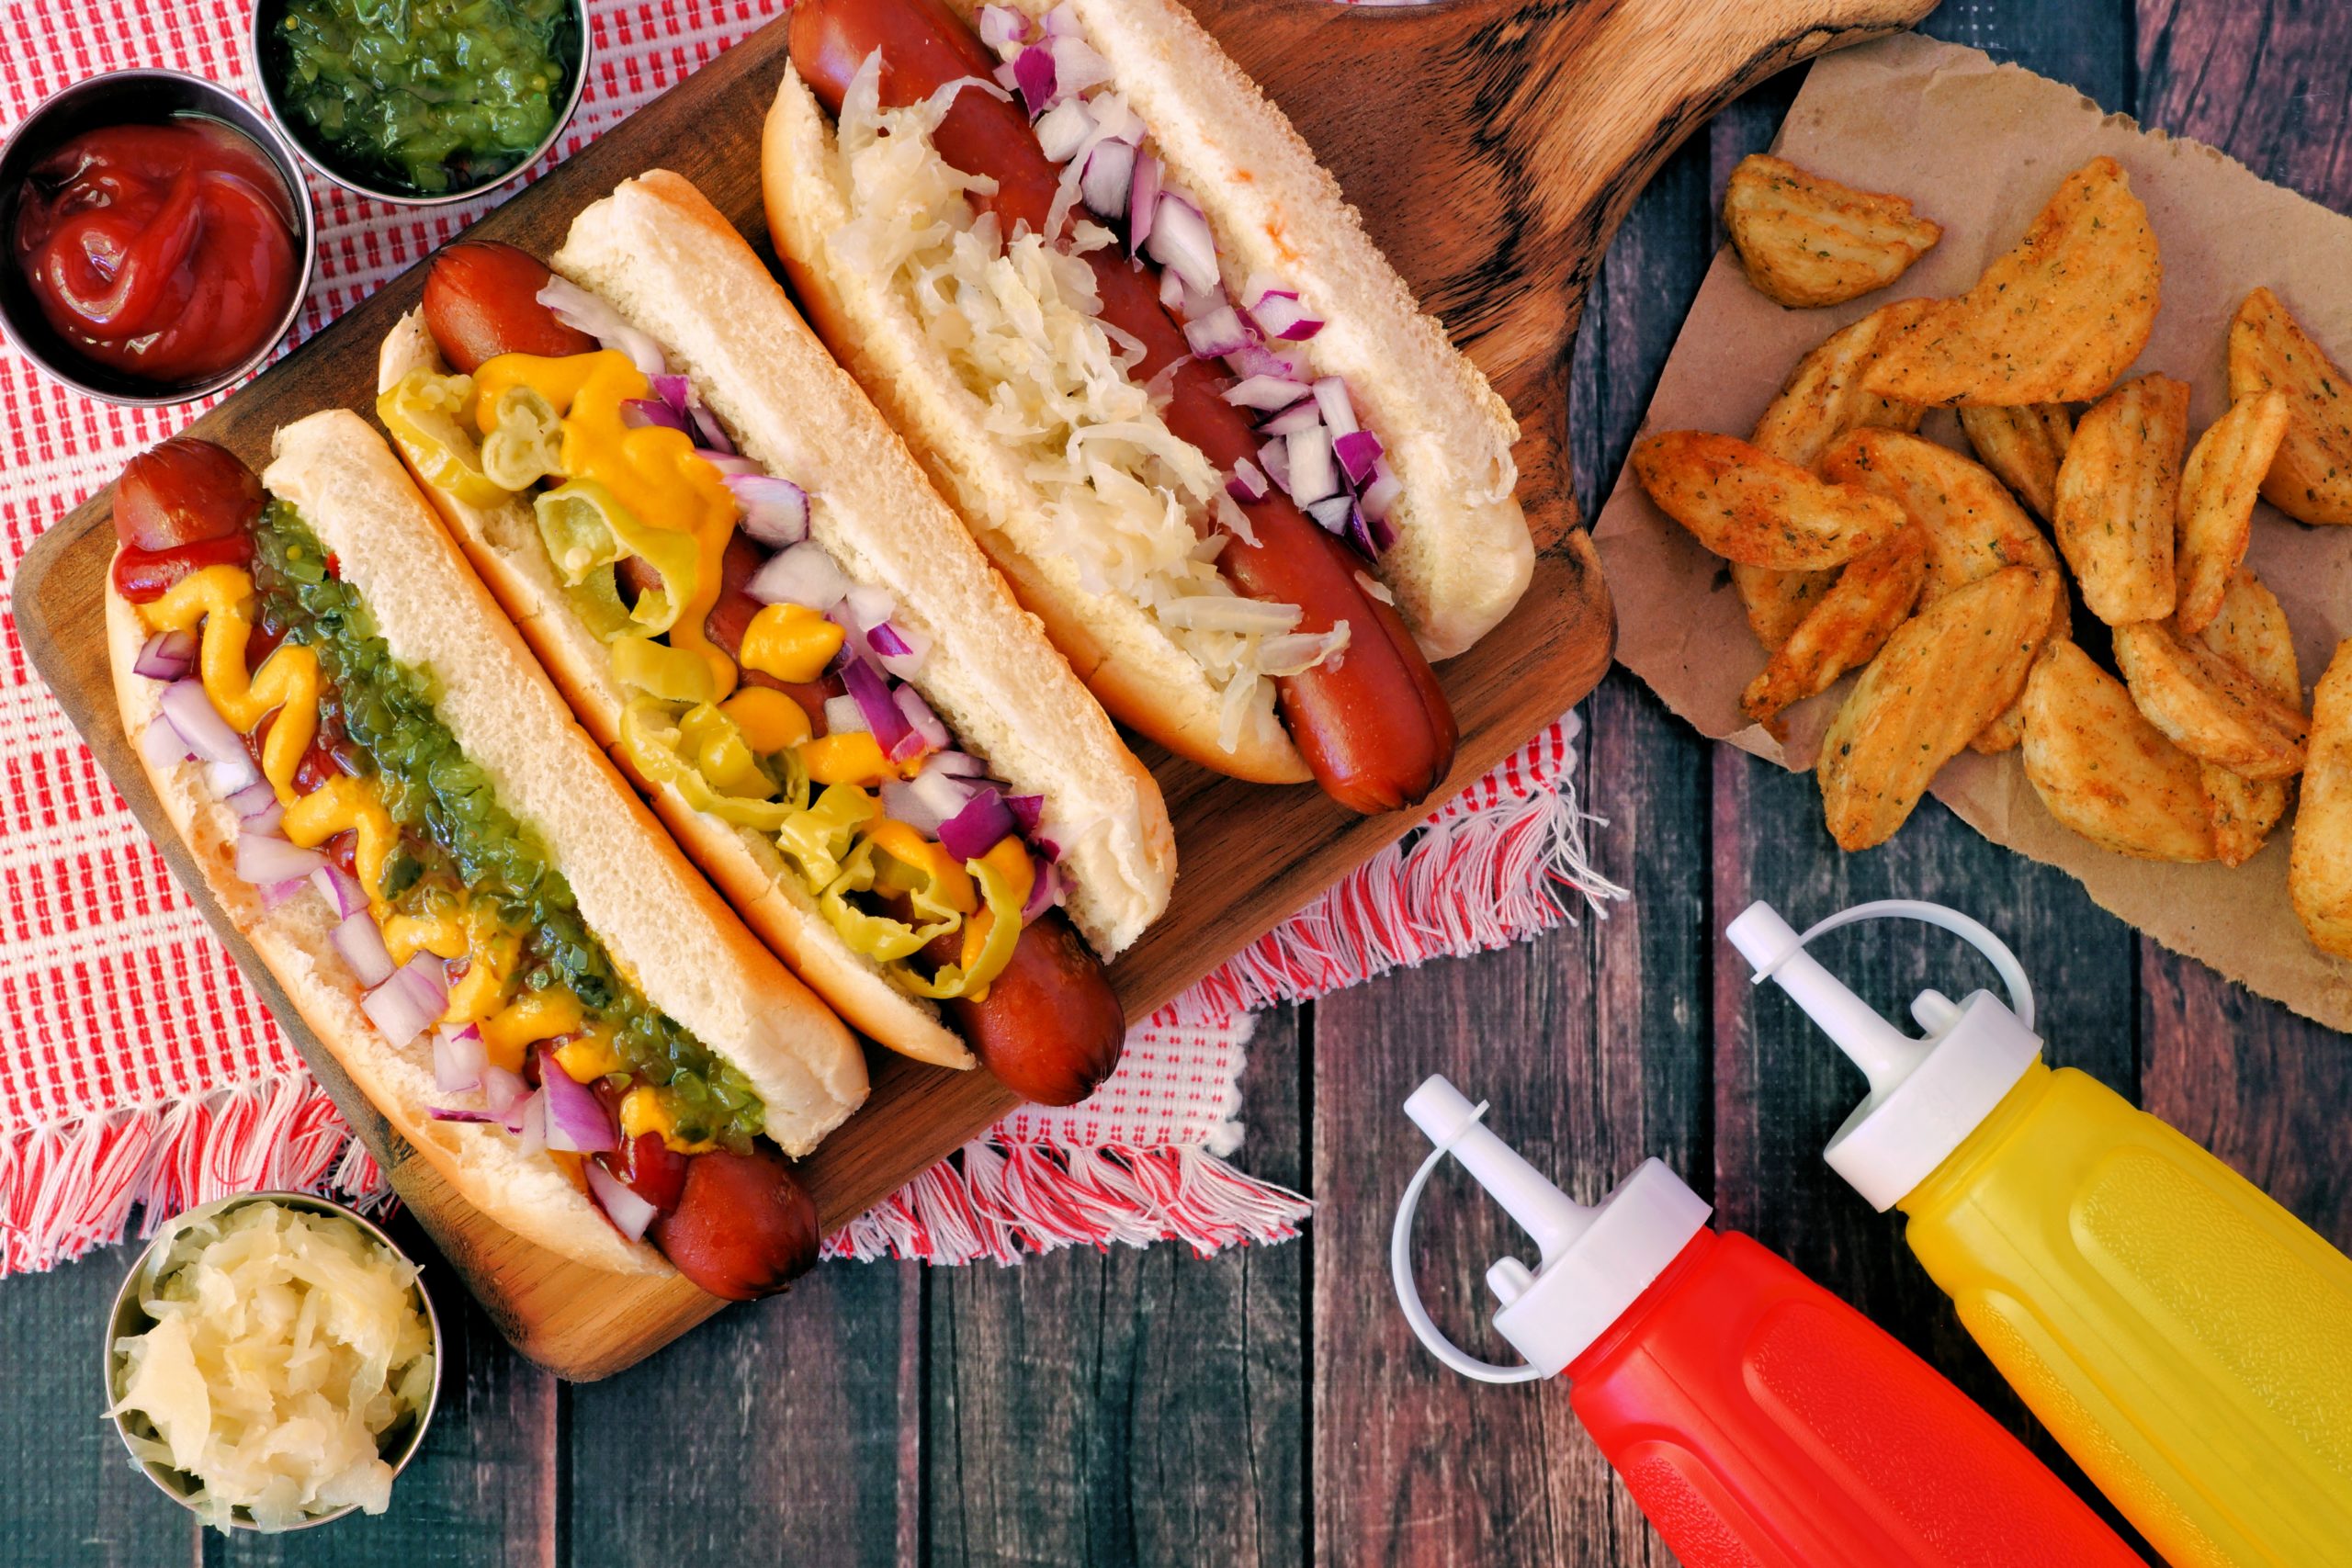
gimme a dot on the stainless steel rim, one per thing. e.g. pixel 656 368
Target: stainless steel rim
pixel 277 116
pixel 126 1303
pixel 235 111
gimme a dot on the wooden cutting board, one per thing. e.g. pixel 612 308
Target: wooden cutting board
pixel 1493 146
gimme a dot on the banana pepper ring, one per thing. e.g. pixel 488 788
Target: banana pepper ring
pixel 587 531
pixel 878 936
pixel 524 440
pixel 422 412
pixel 1003 899
pixel 651 736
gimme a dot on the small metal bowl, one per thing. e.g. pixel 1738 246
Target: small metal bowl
pixel 140 97
pixel 263 51
pixel 128 1317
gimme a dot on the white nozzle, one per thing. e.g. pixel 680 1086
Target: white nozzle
pixel 1926 1095
pixel 1596 1262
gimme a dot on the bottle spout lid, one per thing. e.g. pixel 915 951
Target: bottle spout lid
pixel 1926 1094
pixel 1593 1261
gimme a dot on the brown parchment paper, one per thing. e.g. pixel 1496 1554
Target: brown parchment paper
pixel 1979 148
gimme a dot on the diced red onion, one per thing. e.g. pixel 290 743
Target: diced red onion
pixel 706 425
pixel 1274 458
pixel 1330 514
pixel 872 694
pixel 458 1058
pixel 1033 73
pixel 638 413
pixel 1357 450
pixel 265 858
pixel 727 462
pixel 1380 496
pixel 274 893
pixel 362 947
pixel 1261 284
pixel 978 828
pixel 884 639
pixel 629 1214
pixel 1313 475
pixel 1076 65
pixel 1115 121
pixel 503 1091
pixel 1267 392
pixel 942 796
pixel 1382 534
pixel 844 717
pixel 340 889
pixel 1281 317
pixel 1027 809
pixel 675 390
pixel 1216 334
pixel 1291 421
pixel 1257 359
pixel 962 763
pixel 1044 889
pixel 1143 202
pixel 901 802
pixel 803 575
pixel 1002 27
pixel 1180 242
pixel 577 1120
pixel 871 605
pixel 1331 397
pixel 166 656
pixel 922 721
pixel 1109 179
pixel 452 1113
pixel 1063 129
pixel 252 800
pixel 1061 22
pixel 775 511
pixel 1171 292
pixel 1246 482
pixel 1006 77
pixel 208 735
pixel 529 1122
pixel 583 312
pixel 402 1005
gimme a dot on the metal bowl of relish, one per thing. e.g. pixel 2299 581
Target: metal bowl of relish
pixel 420 102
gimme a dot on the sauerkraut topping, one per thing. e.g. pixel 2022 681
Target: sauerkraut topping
pixel 286 1347
pixel 1126 500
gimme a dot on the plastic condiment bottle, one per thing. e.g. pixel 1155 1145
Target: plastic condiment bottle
pixel 2185 1338
pixel 1759 1421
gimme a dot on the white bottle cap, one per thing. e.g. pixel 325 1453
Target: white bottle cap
pixel 1594 1261
pixel 1926 1095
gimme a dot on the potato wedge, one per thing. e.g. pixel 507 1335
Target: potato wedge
pixel 2024 445
pixel 1823 396
pixel 2319 868
pixel 1974 527
pixel 1749 506
pixel 2217 490
pixel 1777 602
pixel 2118 492
pixel 2055 321
pixel 2311 474
pixel 1944 675
pixel 2006 733
pixel 1846 629
pixel 2103 770
pixel 1804 240
pixel 2250 631
pixel 2206 705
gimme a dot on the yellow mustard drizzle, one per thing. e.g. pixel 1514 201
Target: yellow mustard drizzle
pixel 651 471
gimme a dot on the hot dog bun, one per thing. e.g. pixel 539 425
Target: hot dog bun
pixel 1462 555
pixel 660 254
pixel 662 926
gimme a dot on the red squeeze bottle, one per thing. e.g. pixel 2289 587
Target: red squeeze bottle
pixel 1759 1421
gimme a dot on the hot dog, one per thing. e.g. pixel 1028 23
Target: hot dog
pixel 783 637
pixel 458 893
pixel 1232 378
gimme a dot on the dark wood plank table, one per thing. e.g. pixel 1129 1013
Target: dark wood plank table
pixel 1268 1406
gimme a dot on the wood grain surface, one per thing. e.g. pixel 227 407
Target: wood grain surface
pixel 1264 1406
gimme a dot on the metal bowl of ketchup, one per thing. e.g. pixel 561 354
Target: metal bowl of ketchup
pixel 156 237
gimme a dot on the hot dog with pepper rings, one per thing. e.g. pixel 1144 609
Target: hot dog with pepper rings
pixel 784 637
pixel 457 892
pixel 1117 309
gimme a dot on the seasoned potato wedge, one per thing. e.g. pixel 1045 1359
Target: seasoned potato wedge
pixel 2206 705
pixel 1777 602
pixel 1823 396
pixel 1945 674
pixel 1804 240
pixel 1749 506
pixel 2217 490
pixel 2024 445
pixel 2055 319
pixel 2119 491
pixel 2311 474
pixel 1849 624
pixel 2319 869
pixel 2250 630
pixel 2103 770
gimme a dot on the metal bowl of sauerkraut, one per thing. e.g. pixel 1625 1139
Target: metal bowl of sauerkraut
pixel 272 1361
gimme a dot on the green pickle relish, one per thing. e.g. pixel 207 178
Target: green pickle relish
pixel 424 96
pixel 456 835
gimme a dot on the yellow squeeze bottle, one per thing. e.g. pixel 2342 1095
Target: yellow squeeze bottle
pixel 2187 1339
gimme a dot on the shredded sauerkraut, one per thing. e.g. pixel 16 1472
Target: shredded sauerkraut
pixel 1126 500
pixel 285 1346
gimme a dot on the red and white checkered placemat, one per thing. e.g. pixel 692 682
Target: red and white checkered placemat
pixel 137 1070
